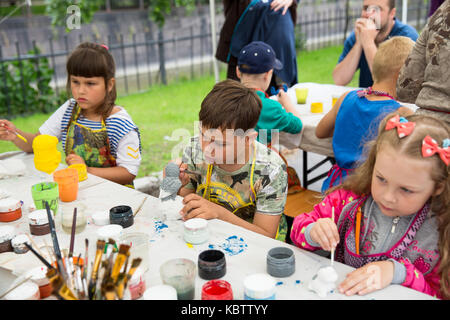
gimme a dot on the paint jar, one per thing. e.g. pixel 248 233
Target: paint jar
pixel 67 210
pixel 211 264
pixel 334 99
pixel 26 291
pixel 180 274
pixel 6 235
pixel 217 290
pixel 67 180
pixel 113 231
pixel 161 292
pixel 100 218
pixel 196 231
pixel 139 243
pixel 46 155
pixel 46 191
pixel 82 170
pixel 136 285
pixel 317 107
pixel 10 209
pixel 38 221
pixel 122 215
pixel 259 286
pixel 280 262
pixel 301 94
pixel 18 243
pixel 38 276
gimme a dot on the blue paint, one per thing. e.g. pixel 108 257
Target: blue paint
pixel 279 283
pixel 159 225
pixel 297 281
pixel 211 246
pixel 233 245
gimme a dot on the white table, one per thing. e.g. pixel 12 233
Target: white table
pixel 167 243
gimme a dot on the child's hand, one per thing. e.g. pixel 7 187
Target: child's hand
pixel 283 98
pixel 198 207
pixel 373 276
pixel 73 158
pixel 7 134
pixel 325 233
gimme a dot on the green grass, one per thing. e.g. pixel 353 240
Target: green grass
pixel 159 111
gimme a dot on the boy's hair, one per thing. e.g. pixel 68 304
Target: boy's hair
pixel 360 180
pixel 390 57
pixel 93 60
pixel 230 105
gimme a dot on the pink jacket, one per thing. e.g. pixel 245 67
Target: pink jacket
pixel 415 279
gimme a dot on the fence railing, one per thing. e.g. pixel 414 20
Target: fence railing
pixel 148 59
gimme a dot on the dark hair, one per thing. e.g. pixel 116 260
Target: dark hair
pixel 230 105
pixel 93 60
pixel 391 4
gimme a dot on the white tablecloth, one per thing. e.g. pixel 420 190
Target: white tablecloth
pixel 245 251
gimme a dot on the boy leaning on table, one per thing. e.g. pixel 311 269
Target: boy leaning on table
pixel 233 177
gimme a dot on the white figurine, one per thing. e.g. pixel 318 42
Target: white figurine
pixel 324 281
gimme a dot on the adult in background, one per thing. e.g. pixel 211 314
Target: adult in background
pixel 377 24
pixel 270 21
pixel 425 77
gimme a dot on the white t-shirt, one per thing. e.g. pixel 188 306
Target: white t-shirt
pixel 123 134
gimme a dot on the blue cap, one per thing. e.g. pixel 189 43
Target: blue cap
pixel 258 57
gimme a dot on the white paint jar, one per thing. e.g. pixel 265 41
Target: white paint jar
pixel 26 291
pixel 259 286
pixel 101 218
pixel 161 292
pixel 18 243
pixel 196 231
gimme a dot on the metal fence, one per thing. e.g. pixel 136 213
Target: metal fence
pixel 147 59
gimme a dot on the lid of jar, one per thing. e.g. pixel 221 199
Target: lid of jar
pixel 110 231
pixel 259 286
pixel 196 224
pixel 160 292
pixel 19 240
pixel 25 291
pixel 10 204
pixel 38 217
pixel 6 233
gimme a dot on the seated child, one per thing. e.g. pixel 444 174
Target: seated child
pixel 255 66
pixel 356 115
pixel 391 213
pixel 92 128
pixel 231 176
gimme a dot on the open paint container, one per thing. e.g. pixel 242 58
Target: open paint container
pixel 217 290
pixel 10 209
pixel 259 286
pixel 38 276
pixel 38 222
pixel 121 215
pixel 6 235
pixel 26 291
pixel 136 285
pixel 180 274
pixel 18 243
pixel 196 231
pixel 161 292
pixel 211 264
pixel 280 262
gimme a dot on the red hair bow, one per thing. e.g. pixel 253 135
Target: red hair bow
pixel 404 127
pixel 430 147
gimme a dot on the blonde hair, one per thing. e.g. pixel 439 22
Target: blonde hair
pixel 390 57
pixel 360 180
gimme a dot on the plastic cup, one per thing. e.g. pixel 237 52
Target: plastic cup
pixel 45 191
pixel 301 94
pixel 139 247
pixel 67 180
pixel 82 171
pixel 180 274
pixel 334 99
pixel 67 217
pixel 316 107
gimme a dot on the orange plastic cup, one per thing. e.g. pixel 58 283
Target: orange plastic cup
pixel 67 180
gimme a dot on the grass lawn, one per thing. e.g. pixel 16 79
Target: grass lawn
pixel 159 111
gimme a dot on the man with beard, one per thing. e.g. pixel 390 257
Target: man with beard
pixel 377 24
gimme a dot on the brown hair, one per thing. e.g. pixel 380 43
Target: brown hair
pixel 390 57
pixel 360 180
pixel 230 105
pixel 93 60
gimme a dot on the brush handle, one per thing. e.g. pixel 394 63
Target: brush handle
pixel 55 243
pixel 47 264
pixel 72 235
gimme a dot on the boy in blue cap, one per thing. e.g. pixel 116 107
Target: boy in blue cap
pixel 255 66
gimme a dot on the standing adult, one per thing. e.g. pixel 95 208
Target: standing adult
pixel 270 21
pixel 376 24
pixel 425 77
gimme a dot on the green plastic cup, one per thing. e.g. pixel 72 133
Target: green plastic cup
pixel 45 191
pixel 301 94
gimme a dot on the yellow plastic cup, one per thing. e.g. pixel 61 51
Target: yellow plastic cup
pixel 301 94
pixel 82 170
pixel 317 107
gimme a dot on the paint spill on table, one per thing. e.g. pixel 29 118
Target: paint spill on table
pixel 233 245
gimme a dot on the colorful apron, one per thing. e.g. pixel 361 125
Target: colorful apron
pixel 225 196
pixel 346 253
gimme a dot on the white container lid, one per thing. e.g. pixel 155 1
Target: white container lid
pixel 161 292
pixel 26 291
pixel 38 275
pixel 113 231
pixel 259 286
pixel 10 204
pixel 196 224
pixel 19 240
pixel 38 217
pixel 101 218
pixel 6 233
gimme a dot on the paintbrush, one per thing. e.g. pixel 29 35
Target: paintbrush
pixel 121 257
pixel 59 286
pixel 16 133
pixel 86 253
pixel 56 249
pixel 134 265
pixel 109 293
pixel 72 235
pixel 98 256
pixel 124 277
pixel 47 264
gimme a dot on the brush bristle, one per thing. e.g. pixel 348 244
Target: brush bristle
pixel 136 262
pixel 124 248
pixel 101 244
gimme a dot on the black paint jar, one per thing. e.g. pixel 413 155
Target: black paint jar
pixel 211 264
pixel 121 215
